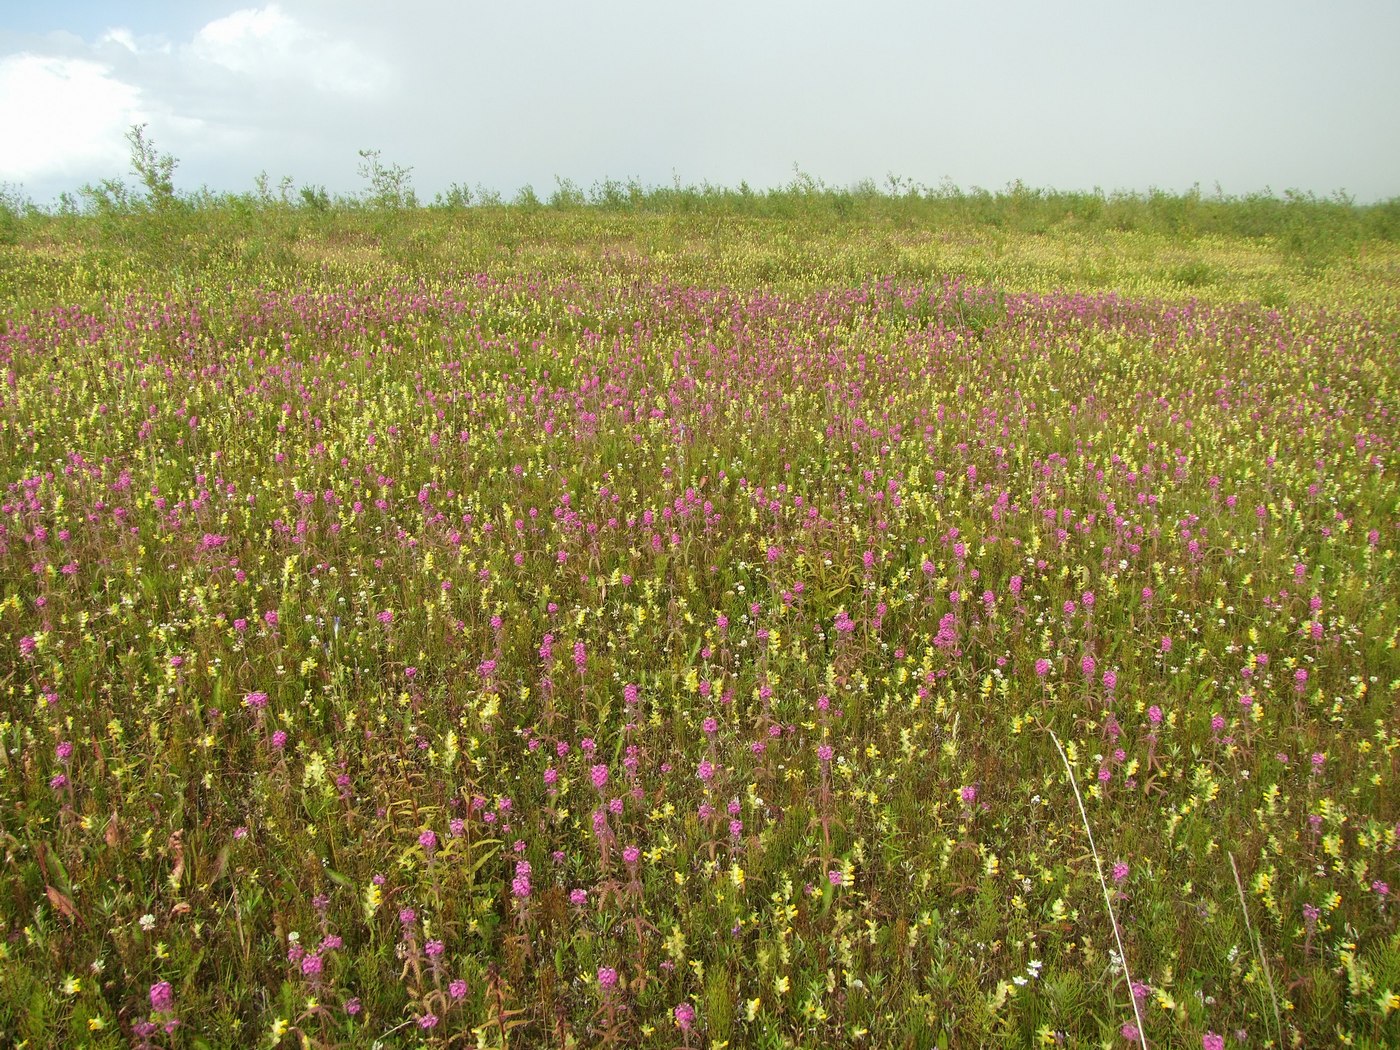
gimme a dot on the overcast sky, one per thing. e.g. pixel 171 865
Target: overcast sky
pixel 1119 95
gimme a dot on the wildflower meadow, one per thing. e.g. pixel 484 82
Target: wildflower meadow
pixel 699 620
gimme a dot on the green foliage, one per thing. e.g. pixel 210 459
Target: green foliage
pixel 154 170
pixel 567 194
pixel 315 198
pixel 13 208
pixel 389 186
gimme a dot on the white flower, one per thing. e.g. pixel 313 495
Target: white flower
pixel 148 922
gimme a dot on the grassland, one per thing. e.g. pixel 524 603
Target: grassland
pixel 651 622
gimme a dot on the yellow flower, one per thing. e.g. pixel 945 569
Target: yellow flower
pixel 71 985
pixel 96 1024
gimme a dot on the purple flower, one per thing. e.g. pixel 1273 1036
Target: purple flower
pixel 162 997
pixel 685 1016
pixel 520 884
pixel 607 977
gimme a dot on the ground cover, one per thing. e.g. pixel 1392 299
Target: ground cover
pixel 529 626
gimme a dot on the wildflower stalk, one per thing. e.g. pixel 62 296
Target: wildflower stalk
pixel 1103 884
pixel 1258 947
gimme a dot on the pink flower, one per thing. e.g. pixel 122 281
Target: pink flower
pixel 520 884
pixel 685 1016
pixel 162 997
pixel 457 989
pixel 1120 871
pixel 834 877
pixel 1211 1041
pixel 607 977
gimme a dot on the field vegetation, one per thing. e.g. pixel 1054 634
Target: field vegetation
pixel 697 617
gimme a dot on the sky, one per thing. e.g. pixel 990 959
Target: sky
pixel 1235 94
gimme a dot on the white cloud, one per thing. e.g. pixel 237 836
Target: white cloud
pixel 266 43
pixel 63 116
pixel 121 37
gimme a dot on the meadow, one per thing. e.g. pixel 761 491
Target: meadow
pixel 700 618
